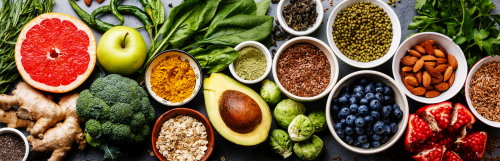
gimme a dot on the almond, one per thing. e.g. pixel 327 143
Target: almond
pixel 100 1
pixel 428 47
pixel 408 86
pixel 420 49
pixel 429 88
pixel 407 69
pixel 418 65
pixel 436 80
pixel 441 68
pixel 414 53
pixel 442 61
pixel 434 72
pixel 452 79
pixel 452 61
pixel 88 2
pixel 442 49
pixel 429 58
pixel 435 47
pixel 411 74
pixel 426 79
pixel 431 41
pixel 409 60
pixel 431 94
pixel 411 80
pixel 418 91
pixel 429 64
pixel 447 73
pixel 438 53
pixel 418 75
pixel 443 86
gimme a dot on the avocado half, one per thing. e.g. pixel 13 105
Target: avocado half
pixel 219 91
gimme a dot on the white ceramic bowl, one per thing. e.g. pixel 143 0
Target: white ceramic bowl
pixel 268 64
pixel 334 66
pixel 281 19
pixel 399 98
pixel 467 88
pixel 20 134
pixel 396 34
pixel 450 47
pixel 163 56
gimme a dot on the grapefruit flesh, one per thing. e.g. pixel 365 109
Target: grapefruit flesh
pixel 55 52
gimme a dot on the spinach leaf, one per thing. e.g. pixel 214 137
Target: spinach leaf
pixel 215 58
pixel 262 7
pixel 156 11
pixel 229 8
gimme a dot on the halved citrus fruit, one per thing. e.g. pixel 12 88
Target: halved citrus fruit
pixel 55 52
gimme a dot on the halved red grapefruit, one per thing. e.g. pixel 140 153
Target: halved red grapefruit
pixel 55 52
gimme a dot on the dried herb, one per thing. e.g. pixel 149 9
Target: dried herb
pixel 300 14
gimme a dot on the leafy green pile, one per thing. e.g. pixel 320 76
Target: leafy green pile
pixel 467 22
pixel 212 28
pixel 14 15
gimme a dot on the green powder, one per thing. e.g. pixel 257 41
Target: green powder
pixel 251 64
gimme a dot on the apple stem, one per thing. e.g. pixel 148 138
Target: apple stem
pixel 123 43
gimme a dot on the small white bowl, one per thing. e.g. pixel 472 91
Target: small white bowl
pixel 396 34
pixel 467 88
pixel 20 134
pixel 450 47
pixel 268 64
pixel 334 66
pixel 399 98
pixel 163 56
pixel 281 19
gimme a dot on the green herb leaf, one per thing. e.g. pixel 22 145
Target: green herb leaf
pixel 215 58
pixel 491 45
pixel 111 153
pixel 459 40
pixel 419 4
pixel 262 7
pixel 230 8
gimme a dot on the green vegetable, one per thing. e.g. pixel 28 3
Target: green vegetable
pixel 231 8
pixel 156 12
pixel 93 128
pixel 270 92
pixel 301 128
pixel 98 25
pixel 318 119
pixel 214 57
pixel 13 17
pixel 309 149
pixel 280 142
pixel 94 142
pixel 467 22
pixel 262 7
pixel 111 153
pixel 115 12
pixel 286 111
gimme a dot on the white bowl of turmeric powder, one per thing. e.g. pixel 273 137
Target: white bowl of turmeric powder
pixel 173 77
pixel 253 64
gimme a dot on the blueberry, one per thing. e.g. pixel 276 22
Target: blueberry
pixel 346 95
pixel 394 127
pixel 335 109
pixel 388 100
pixel 375 115
pixel 363 110
pixel 353 100
pixel 379 84
pixel 349 139
pixel 375 105
pixel 342 121
pixel 359 130
pixel 356 143
pixel 346 89
pixel 369 97
pixel 369 130
pixel 368 120
pixel 365 145
pixel 387 129
pixel 385 139
pixel 338 125
pixel 386 111
pixel 371 83
pixel 376 137
pixel 363 81
pixel 335 101
pixel 340 133
pixel 358 95
pixel 340 116
pixel 343 100
pixel 349 130
pixel 387 91
pixel 354 109
pixel 375 144
pixel 344 112
pixel 386 120
pixel 398 114
pixel 379 127
pixel 350 120
pixel 358 89
pixel 360 122
pixel 369 88
pixel 395 106
pixel 380 97
pixel 362 138
pixel 379 90
pixel 363 101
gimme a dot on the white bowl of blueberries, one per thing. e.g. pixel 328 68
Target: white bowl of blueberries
pixel 367 112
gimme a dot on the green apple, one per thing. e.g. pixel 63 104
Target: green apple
pixel 121 50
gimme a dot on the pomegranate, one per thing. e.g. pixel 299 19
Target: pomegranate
pixel 434 134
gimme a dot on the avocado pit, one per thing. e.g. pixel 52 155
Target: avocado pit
pixel 239 111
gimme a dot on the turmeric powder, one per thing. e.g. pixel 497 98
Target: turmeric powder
pixel 173 79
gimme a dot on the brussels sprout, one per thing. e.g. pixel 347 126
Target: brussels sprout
pixel 318 119
pixel 280 142
pixel 270 92
pixel 286 111
pixel 309 149
pixel 301 128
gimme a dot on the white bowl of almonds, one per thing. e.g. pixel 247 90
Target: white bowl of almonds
pixel 482 90
pixel 429 67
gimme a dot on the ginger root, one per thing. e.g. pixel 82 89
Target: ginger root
pixel 53 127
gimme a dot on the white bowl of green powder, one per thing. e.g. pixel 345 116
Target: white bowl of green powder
pixel 253 64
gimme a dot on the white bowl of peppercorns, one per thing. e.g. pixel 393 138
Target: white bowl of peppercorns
pixel 300 17
pixel 305 69
pixel 12 143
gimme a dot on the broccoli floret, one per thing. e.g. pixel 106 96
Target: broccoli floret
pixel 96 108
pixel 140 135
pixel 121 133
pixel 136 105
pixel 149 114
pixel 83 104
pixel 137 121
pixel 107 128
pixel 121 113
pixel 142 92
pixel 93 128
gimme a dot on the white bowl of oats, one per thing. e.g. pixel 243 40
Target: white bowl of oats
pixel 177 125
pixel 482 90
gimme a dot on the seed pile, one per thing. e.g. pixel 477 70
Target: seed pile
pixel 490 144
pixel 485 90
pixel 11 147
pixel 300 14
pixel 362 32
